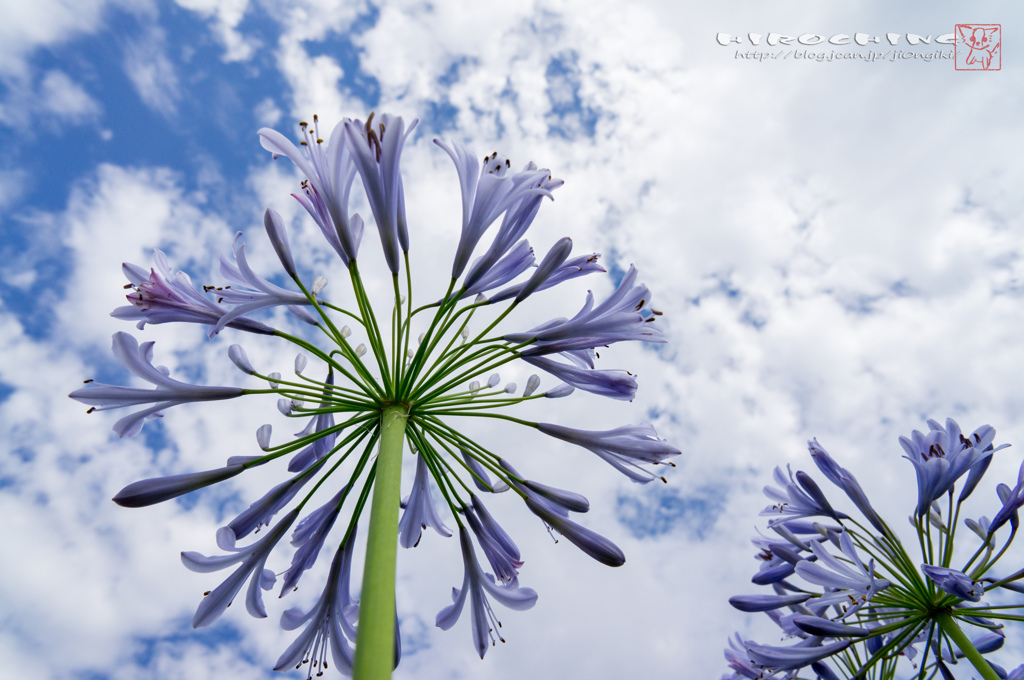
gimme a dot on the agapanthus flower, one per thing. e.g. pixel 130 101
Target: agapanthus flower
pixel 248 291
pixel 476 586
pixel 853 596
pixel 624 315
pixel 329 171
pixel 168 392
pixel 253 559
pixel 624 448
pixel 163 295
pixel 390 376
pixel 943 455
pixel 795 498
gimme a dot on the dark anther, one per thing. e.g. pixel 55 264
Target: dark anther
pixel 87 381
pixel 91 409
pixel 655 312
pixel 303 123
pixel 314 118
pixel 303 144
pixel 127 286
pixel 206 593
pixel 640 305
pixel 508 163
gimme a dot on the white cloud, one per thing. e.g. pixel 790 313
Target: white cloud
pixel 226 15
pixel 12 186
pixel 28 26
pixel 267 113
pixel 65 98
pixel 152 73
pixel 55 101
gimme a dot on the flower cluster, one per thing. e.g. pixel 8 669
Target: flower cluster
pixel 850 597
pixel 365 391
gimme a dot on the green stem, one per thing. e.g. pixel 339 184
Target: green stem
pixel 375 638
pixel 950 628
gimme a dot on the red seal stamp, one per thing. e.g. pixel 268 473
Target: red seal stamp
pixel 979 47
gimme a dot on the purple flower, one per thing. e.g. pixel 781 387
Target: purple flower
pixel 169 392
pixel 330 622
pixel 163 296
pixel 796 657
pixel 480 477
pixel 308 538
pixel 553 506
pixel 151 491
pixel 842 478
pixel 740 662
pixel 252 557
pixel 419 509
pixel 570 269
pixel 853 582
pixel 1013 500
pixel 547 267
pixel 487 192
pixel 377 152
pixel 821 627
pixel 514 225
pixel 796 498
pixel 943 455
pixel 249 291
pixel 614 384
pixel 279 239
pixel 763 603
pixel 620 317
pixel 501 551
pixel 624 448
pixel 329 172
pixel 515 262
pixel 477 585
pixel 590 542
pixel 955 582
pixel 262 511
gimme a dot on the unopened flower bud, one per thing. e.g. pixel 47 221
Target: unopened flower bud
pixel 300 363
pixel 510 388
pixel 532 383
pixel 302 315
pixel 238 357
pixel 319 283
pixel 562 390
pixel 493 380
pixel 274 379
pixel 474 386
pixel 279 238
pixel 263 436
pixel 284 406
pixel 345 331
pixel 360 350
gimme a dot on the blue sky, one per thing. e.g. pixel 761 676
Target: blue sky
pixel 837 247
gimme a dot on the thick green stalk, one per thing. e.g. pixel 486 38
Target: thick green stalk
pixel 950 628
pixel 375 638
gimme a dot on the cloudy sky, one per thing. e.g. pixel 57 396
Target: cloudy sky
pixel 837 246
